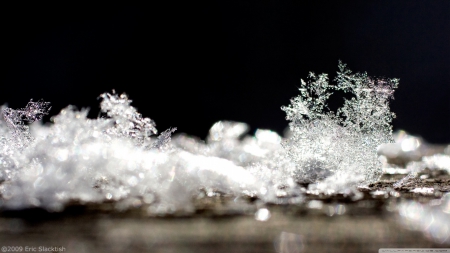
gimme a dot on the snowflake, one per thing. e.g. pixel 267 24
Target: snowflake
pixel 328 144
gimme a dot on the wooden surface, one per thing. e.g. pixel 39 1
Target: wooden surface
pixel 363 227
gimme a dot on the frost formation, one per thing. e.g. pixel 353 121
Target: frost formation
pixel 16 119
pixel 115 157
pixel 339 147
pixel 118 157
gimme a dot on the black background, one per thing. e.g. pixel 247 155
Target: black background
pixel 188 65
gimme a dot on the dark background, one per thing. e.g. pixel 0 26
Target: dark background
pixel 188 65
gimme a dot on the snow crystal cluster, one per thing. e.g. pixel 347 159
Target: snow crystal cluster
pixel 118 157
pixel 337 148
pixel 412 155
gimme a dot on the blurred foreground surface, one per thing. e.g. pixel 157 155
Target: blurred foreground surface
pixel 361 229
pixel 409 207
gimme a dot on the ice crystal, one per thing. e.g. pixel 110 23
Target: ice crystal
pixel 339 146
pixel 163 140
pixel 127 121
pixel 15 134
pixel 18 119
pixel 405 181
pixel 119 157
pixel 111 158
pixel 261 155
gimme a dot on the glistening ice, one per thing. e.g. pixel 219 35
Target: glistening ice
pixel 120 157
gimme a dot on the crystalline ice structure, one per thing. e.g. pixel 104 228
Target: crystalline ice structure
pixel 118 157
pixel 16 119
pixel 15 134
pixel 261 155
pixel 340 147
pixel 127 121
pixel 111 159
